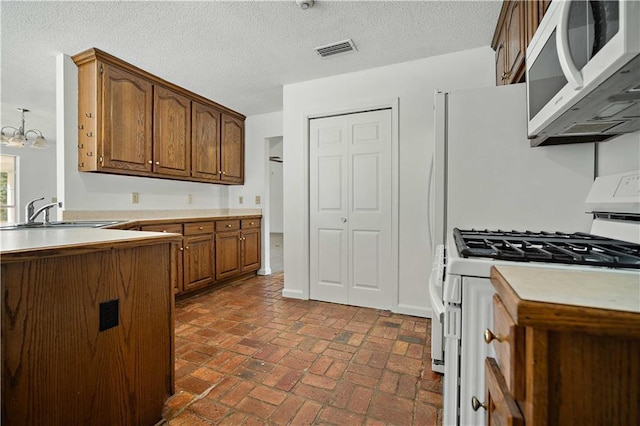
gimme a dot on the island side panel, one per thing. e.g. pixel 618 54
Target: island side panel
pixel 58 368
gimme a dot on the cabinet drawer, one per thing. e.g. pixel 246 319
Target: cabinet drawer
pixel 250 223
pixel 198 228
pixel 227 225
pixel 174 228
pixel 502 408
pixel 509 344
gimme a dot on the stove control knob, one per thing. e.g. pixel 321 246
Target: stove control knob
pixel 489 336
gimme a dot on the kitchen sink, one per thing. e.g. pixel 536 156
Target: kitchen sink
pixel 61 224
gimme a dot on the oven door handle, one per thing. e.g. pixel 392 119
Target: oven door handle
pixel 436 301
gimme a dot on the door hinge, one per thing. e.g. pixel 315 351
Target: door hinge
pixel 101 69
pixel 100 159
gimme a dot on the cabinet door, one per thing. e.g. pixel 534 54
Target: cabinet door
pixel 501 59
pixel 227 254
pixel 126 117
pixel 232 150
pixel 501 407
pixel 171 133
pixel 516 41
pixel 205 142
pixel 250 249
pixel 198 261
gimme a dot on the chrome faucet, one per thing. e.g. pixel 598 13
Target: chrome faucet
pixel 30 208
pixel 45 208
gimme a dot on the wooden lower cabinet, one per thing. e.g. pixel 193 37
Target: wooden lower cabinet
pixel 213 251
pixel 60 366
pixel 561 364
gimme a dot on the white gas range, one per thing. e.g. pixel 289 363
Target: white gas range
pixel 465 292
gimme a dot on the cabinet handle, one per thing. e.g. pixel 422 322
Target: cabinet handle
pixel 476 404
pixel 489 336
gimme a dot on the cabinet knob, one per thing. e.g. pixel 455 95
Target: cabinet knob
pixel 164 230
pixel 250 223
pixel 200 228
pixel 489 336
pixel 476 404
pixel 228 226
pixel 158 163
pixel 224 173
pixel 150 162
pixel 181 249
pixel 187 248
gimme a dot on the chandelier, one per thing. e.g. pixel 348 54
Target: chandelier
pixel 19 137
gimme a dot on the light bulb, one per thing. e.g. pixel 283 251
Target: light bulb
pixel 18 140
pixel 40 143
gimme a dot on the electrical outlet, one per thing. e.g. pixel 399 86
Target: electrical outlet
pixel 135 197
pixel 257 199
pixel 109 313
pixel 189 199
pixel 241 199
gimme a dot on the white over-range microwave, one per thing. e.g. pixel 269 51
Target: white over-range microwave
pixel 583 72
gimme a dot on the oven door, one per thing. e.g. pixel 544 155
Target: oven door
pixel 437 306
pixel 578 45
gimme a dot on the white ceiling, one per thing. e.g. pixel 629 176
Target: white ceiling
pixel 237 53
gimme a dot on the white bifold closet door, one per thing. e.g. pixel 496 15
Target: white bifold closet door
pixel 350 209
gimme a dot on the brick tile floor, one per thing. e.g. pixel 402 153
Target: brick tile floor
pixel 245 355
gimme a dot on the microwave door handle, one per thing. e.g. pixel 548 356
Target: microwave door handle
pixel 571 72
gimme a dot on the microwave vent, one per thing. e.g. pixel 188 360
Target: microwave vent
pixel 590 128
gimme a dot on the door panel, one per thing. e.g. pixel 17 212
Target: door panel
pixel 350 209
pixel 232 147
pixel 205 142
pixel 127 103
pixel 172 133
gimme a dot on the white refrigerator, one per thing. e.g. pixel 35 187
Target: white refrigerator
pixel 486 176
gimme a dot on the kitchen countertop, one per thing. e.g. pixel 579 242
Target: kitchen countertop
pixel 603 300
pixel 23 244
pixel 134 215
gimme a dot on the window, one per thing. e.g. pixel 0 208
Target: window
pixel 8 183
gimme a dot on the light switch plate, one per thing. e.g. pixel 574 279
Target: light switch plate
pixel 257 199
pixel 135 197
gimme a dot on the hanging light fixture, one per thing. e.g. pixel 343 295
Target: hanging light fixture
pixel 19 137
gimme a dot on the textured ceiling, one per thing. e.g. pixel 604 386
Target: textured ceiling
pixel 238 53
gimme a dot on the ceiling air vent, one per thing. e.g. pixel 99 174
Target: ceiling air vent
pixel 332 49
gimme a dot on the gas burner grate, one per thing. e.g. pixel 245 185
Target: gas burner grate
pixel 552 247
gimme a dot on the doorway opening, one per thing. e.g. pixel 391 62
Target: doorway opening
pixel 275 204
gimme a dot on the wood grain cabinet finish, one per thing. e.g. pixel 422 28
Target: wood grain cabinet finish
pixel 134 123
pixel 58 368
pixel 171 133
pixel 205 142
pixel 199 257
pixel 238 247
pixel 517 23
pixel 232 149
pixel 575 365
pixel 178 284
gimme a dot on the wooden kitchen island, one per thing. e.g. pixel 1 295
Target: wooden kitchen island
pixel 87 326
pixel 567 344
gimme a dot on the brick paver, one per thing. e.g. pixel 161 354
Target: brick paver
pixel 246 355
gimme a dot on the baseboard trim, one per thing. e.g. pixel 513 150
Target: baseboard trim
pixel 416 311
pixel 264 271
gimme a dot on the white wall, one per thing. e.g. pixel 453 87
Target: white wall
pixel 276 186
pixel 619 155
pixel 98 191
pixel 36 173
pixel 258 130
pixel 413 84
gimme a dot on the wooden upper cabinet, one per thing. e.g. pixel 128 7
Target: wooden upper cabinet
pixel 517 23
pixel 205 142
pixel 127 101
pixel 171 133
pixel 135 123
pixel 232 149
